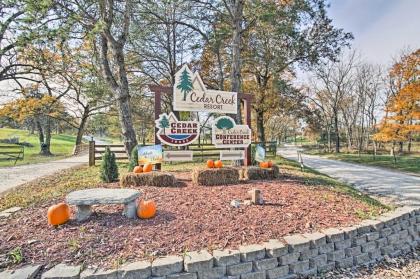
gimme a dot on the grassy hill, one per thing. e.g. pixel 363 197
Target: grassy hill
pixel 61 146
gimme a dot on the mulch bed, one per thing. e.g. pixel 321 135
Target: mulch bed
pixel 189 218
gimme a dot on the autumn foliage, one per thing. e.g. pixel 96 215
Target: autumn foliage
pixel 402 119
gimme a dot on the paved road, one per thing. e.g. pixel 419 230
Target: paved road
pixel 404 188
pixel 11 177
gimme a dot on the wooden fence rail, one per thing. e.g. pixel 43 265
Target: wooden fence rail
pixel 202 151
pixel 12 152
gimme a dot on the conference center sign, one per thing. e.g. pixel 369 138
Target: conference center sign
pixel 190 94
pixel 225 133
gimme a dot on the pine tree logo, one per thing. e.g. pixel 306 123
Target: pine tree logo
pixel 185 84
pixel 164 123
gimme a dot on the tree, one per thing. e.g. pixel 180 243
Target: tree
pixel 286 34
pixel 402 109
pixel 107 24
pixel 89 94
pixel 18 28
pixel 235 9
pixel 39 108
pixel 185 84
pixel 109 168
pixel 334 81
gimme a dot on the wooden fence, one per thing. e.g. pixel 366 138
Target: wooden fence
pixel 200 151
pixel 12 152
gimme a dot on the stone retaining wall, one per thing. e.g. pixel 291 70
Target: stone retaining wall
pixel 391 234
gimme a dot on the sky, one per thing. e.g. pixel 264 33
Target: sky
pixel 381 27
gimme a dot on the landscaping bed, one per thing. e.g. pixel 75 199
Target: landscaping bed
pixel 189 218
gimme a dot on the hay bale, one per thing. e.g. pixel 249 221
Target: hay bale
pixel 154 178
pixel 214 177
pixel 257 173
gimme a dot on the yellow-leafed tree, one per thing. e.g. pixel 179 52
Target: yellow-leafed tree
pixel 402 119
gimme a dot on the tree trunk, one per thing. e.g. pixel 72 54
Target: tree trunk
pixel 337 134
pixel 260 126
pixel 32 128
pixel 123 103
pixel 46 145
pixel 237 20
pixel 81 128
pixel 393 152
pixel 120 90
pixel 409 144
pixel 221 79
pixel 40 132
pixel 374 149
pixel 329 139
pixel 237 11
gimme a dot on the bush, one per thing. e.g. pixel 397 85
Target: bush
pixel 134 159
pixel 155 178
pixel 109 168
pixel 214 177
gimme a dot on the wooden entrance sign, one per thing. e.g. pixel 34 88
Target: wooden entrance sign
pixel 160 90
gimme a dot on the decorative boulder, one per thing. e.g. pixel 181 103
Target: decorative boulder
pixel 214 177
pixel 159 179
pixel 257 173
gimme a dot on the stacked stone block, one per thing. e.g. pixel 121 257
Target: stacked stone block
pixel 392 234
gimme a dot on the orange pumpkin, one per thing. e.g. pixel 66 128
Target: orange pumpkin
pixel 58 214
pixel 147 168
pixel 210 164
pixel 270 164
pixel 146 209
pixel 218 164
pixel 264 165
pixel 138 169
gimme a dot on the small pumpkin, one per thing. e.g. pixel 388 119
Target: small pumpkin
pixel 138 169
pixel 270 164
pixel 146 209
pixel 58 214
pixel 147 168
pixel 264 165
pixel 210 164
pixel 218 164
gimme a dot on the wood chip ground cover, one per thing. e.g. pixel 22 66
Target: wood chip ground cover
pixel 189 218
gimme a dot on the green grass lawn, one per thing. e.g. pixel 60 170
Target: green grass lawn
pixel 407 163
pixel 61 146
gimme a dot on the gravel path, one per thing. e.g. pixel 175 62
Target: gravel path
pixel 11 177
pixel 402 188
